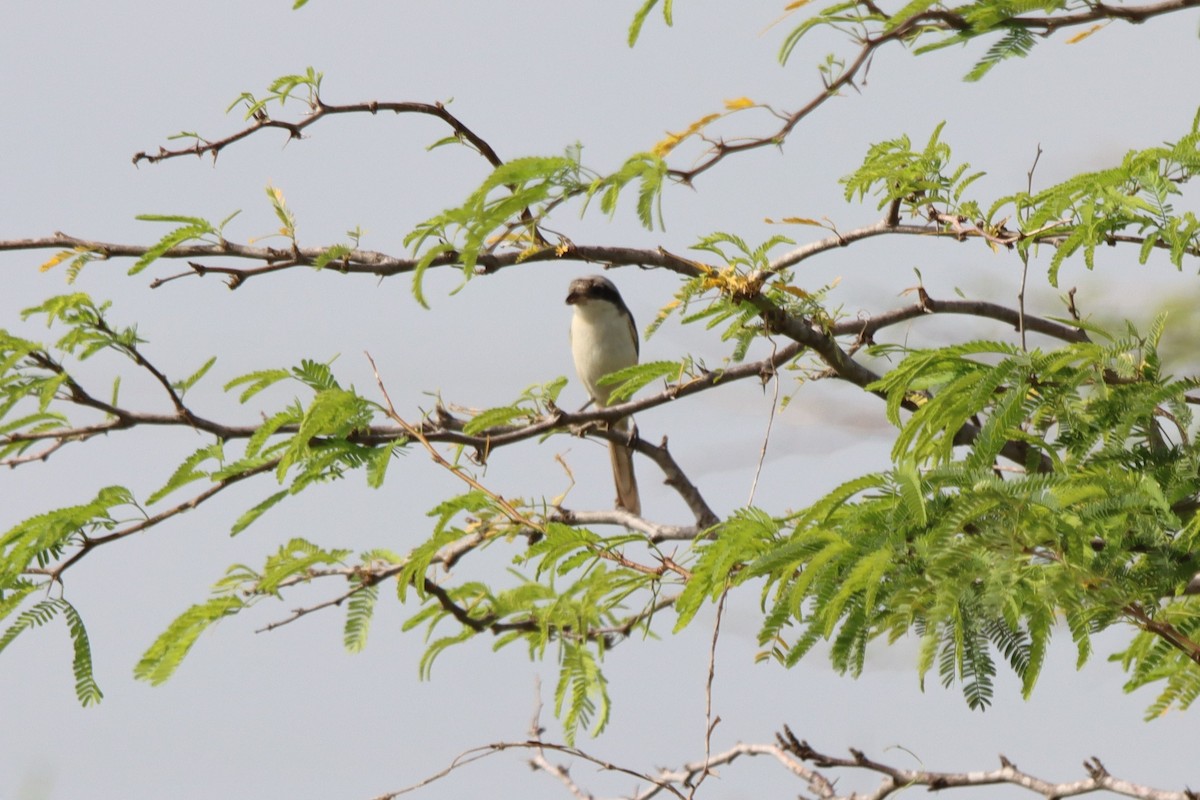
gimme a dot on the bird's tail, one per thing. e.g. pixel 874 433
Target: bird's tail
pixel 623 476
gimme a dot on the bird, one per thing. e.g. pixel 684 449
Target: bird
pixel 604 339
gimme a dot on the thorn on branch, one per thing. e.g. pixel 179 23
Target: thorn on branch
pixel 767 372
pixel 923 300
pixel 1071 308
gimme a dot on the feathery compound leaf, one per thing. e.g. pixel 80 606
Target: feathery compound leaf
pixel 359 610
pixel 187 472
pixel 86 688
pixel 378 462
pixel 639 18
pixel 906 13
pixel 649 170
pixel 192 228
pixel 739 540
pixel 15 594
pixel 504 210
pixel 296 557
pixel 850 12
pixel 168 651
pixel 248 518
pixel 317 375
pixel 337 252
pixel 258 381
pixel 1016 43
pixel 34 617
pixel 908 481
pixel 494 417
pixel 190 381
pixel 631 379
pixel 581 695
pixel 42 538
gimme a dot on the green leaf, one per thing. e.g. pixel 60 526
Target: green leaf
pixel 187 472
pixel 378 462
pixel 1016 43
pixel 34 617
pixel 330 254
pixel 359 610
pixel 581 694
pixel 296 558
pixel 86 689
pixel 492 418
pixel 191 229
pixel 639 19
pixel 167 652
pixel 906 13
pixel 43 538
pixel 631 379
pixel 249 517
pixel 257 381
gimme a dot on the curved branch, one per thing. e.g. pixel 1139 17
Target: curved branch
pixel 655 532
pixel 675 477
pixel 91 543
pixel 722 149
pixel 1099 11
pixel 368 575
pixel 921 23
pixel 356 262
pixel 927 306
pixel 382 265
pixel 318 109
pixel 898 778
pixel 446 428
pixel 795 755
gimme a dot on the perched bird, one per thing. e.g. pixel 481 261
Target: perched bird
pixel 604 339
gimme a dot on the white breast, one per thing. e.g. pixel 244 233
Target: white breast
pixel 602 342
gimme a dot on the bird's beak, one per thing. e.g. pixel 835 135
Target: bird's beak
pixel 573 297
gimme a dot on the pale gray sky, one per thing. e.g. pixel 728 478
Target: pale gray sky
pixel 290 714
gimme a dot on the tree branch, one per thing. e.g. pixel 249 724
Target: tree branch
pixel 91 543
pixel 897 778
pixel 925 22
pixel 795 755
pixel 318 110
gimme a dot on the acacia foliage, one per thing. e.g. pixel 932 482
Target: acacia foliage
pixel 1033 490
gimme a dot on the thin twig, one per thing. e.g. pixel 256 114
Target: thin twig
pixel 1024 255
pixel 415 432
pixel 710 722
pixel 762 452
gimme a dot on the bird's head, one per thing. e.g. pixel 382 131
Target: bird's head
pixel 593 287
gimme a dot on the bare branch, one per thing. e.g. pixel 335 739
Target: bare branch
pixel 655 532
pixel 897 778
pixel 928 21
pixel 531 744
pixel 795 755
pixel 317 111
pixel 867 327
pixel 710 722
